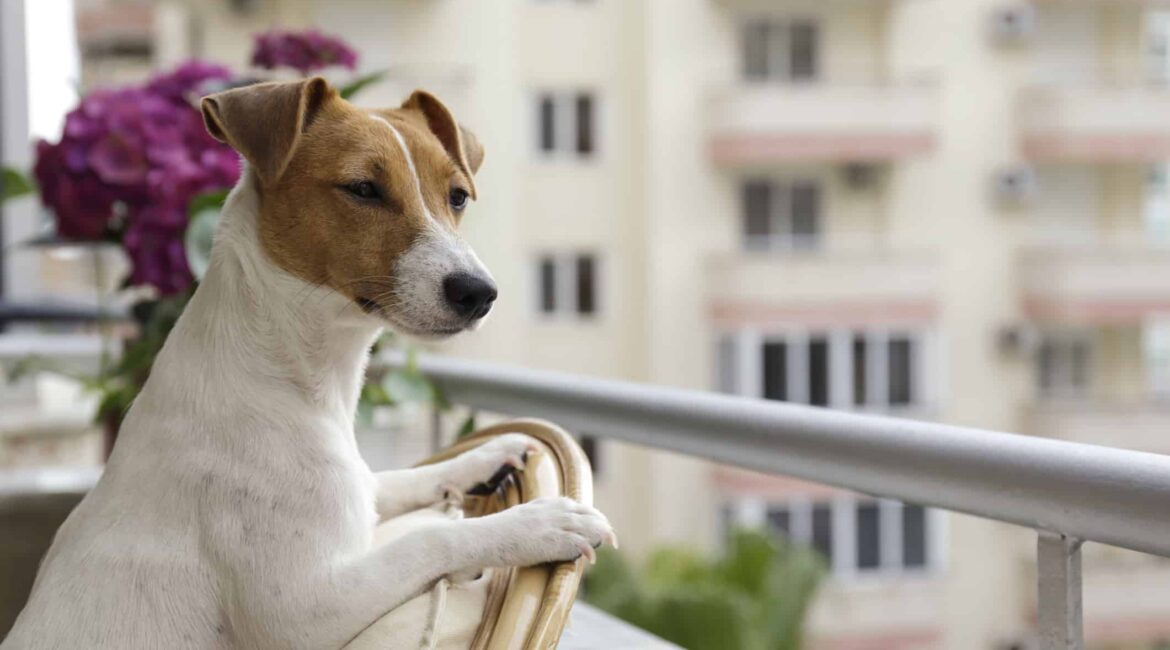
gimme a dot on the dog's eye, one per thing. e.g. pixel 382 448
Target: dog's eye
pixel 363 190
pixel 458 198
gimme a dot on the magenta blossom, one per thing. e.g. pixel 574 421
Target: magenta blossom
pixel 143 148
pixel 302 51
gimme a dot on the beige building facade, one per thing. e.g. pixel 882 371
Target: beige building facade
pixel 955 210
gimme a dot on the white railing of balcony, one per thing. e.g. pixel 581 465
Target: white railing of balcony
pixel 1067 492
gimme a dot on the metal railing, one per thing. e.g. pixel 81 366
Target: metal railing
pixel 1067 492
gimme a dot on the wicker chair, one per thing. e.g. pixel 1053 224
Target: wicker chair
pixel 524 608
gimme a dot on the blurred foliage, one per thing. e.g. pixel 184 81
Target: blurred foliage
pixel 118 381
pixel 352 88
pixel 754 597
pixel 15 184
pixel 397 386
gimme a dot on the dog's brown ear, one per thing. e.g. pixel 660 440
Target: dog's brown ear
pixel 472 148
pixel 460 144
pixel 264 121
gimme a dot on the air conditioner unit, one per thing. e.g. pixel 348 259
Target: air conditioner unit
pixel 859 176
pixel 244 7
pixel 1013 24
pixel 1018 338
pixel 1015 186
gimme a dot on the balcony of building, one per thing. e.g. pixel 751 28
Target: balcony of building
pixel 1105 383
pixel 752 124
pixel 1099 123
pixel 816 83
pixel 1119 280
pixel 835 282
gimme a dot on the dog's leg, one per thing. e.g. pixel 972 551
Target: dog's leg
pixel 404 490
pixel 278 608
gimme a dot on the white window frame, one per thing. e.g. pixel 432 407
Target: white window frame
pixel 565 125
pixel 781 239
pixel 748 343
pixel 1156 48
pixel 751 512
pixel 565 265
pixel 1156 204
pixel 779 46
pixel 1156 355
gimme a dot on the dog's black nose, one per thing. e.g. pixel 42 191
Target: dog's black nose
pixel 469 295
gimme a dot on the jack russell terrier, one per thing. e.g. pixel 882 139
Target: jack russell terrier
pixel 235 511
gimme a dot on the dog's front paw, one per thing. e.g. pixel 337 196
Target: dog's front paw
pixel 552 529
pixel 481 470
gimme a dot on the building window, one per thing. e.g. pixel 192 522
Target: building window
pixel 1156 203
pixel 901 371
pixel 860 362
pixel 914 540
pixel 1156 355
pixel 567 284
pixel 868 370
pixel 1062 364
pixel 855 535
pixel 781 215
pixel 780 50
pixel 775 366
pixel 548 285
pixel 566 124
pixel 869 539
pixel 822 530
pixel 548 124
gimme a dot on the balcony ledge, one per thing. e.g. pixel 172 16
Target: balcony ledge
pixel 751 124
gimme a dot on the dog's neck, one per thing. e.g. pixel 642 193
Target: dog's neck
pixel 258 330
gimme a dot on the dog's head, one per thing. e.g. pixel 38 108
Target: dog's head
pixel 364 202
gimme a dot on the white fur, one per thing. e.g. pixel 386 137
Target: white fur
pixel 236 512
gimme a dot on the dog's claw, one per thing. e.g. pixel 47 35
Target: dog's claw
pixel 611 537
pixel 588 552
pixel 493 483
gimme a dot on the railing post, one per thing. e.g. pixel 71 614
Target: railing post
pixel 1058 569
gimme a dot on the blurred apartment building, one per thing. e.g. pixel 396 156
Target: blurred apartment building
pixel 954 210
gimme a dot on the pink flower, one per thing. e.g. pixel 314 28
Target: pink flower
pixel 144 148
pixel 157 253
pixel 118 161
pixel 302 51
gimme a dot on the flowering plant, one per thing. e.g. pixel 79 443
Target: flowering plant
pixel 302 51
pixel 128 165
pixel 135 167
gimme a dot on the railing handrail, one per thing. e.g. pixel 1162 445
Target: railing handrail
pixel 1081 491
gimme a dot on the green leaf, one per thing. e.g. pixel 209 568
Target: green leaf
pixel 406 387
pixel 203 218
pixel 467 428
pixel 15 184
pixel 354 87
pixel 213 200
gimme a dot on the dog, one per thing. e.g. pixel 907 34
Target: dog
pixel 235 510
